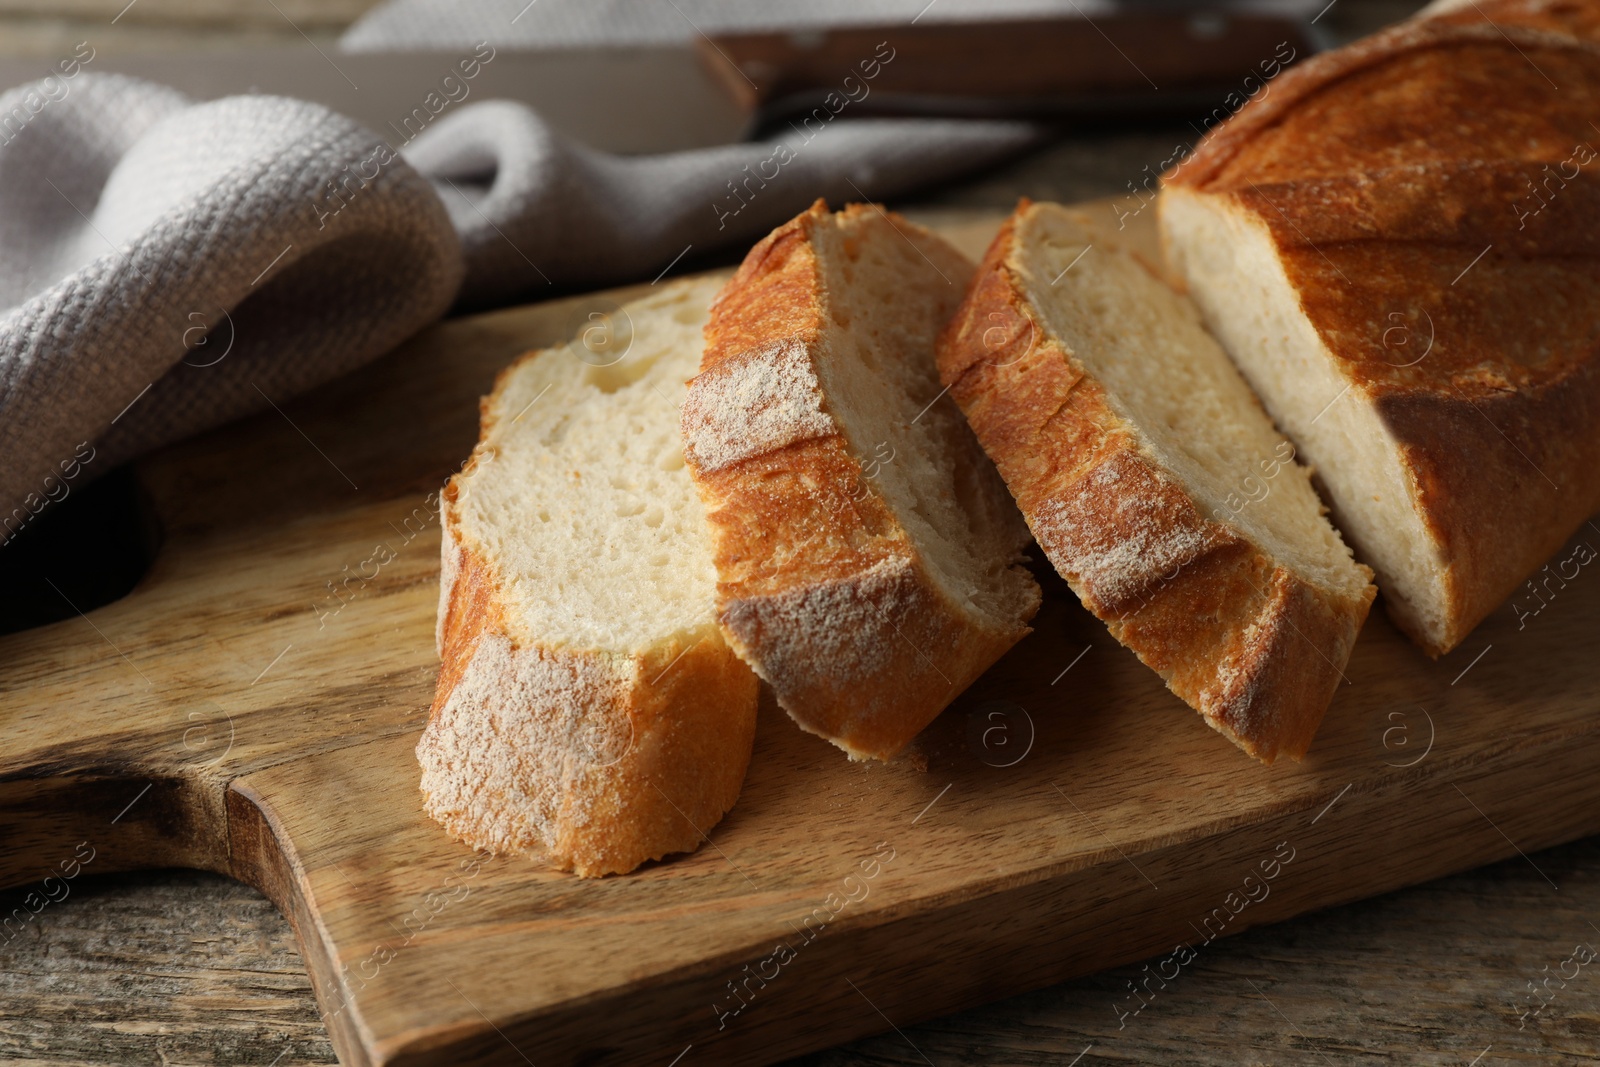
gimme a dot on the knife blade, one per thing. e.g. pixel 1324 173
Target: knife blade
pixel 628 100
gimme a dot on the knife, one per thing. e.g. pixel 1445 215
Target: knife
pixel 1130 65
pixel 627 100
pixel 733 86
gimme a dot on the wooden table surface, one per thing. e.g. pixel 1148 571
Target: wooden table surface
pixel 188 968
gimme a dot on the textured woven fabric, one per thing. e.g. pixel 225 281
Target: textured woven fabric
pixel 165 269
pixel 170 265
pixel 534 208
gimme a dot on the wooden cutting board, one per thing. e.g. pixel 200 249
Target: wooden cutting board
pixel 1067 814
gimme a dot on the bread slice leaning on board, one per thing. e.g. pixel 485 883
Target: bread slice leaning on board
pixel 1400 247
pixel 868 556
pixel 1153 480
pixel 588 710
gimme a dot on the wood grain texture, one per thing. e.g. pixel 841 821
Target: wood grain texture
pixel 157 979
pixel 234 715
pixel 180 967
pixel 1338 987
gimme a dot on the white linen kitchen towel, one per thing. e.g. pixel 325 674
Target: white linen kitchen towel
pixel 533 207
pixel 169 265
pixel 163 270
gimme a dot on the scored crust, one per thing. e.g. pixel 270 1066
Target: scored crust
pixel 1246 641
pixel 822 589
pixel 591 760
pixel 1405 184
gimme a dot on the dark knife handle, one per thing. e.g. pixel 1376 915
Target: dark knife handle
pixel 1022 66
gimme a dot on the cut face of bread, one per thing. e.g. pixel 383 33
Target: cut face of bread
pixel 1154 481
pixel 868 557
pixel 588 709
pixel 1398 248
pixel 1240 283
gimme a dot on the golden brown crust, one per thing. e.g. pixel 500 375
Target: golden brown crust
pixel 1438 90
pixel 1578 18
pixel 1448 172
pixel 592 762
pixel 469 606
pixel 1246 642
pixel 821 589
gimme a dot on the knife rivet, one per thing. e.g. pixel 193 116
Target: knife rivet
pixel 1208 26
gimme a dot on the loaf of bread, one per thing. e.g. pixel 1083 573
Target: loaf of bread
pixel 1153 480
pixel 1398 247
pixel 1577 18
pixel 588 711
pixel 868 556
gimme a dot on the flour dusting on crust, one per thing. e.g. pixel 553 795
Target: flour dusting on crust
pixel 499 756
pixel 1118 534
pixel 755 402
pixel 843 630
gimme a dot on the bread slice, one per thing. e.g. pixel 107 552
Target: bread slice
pixel 1397 246
pixel 588 709
pixel 1153 480
pixel 868 557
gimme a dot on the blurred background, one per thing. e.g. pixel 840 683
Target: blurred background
pixel 48 28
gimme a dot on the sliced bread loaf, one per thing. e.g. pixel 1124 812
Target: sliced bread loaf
pixel 588 709
pixel 868 557
pixel 1153 480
